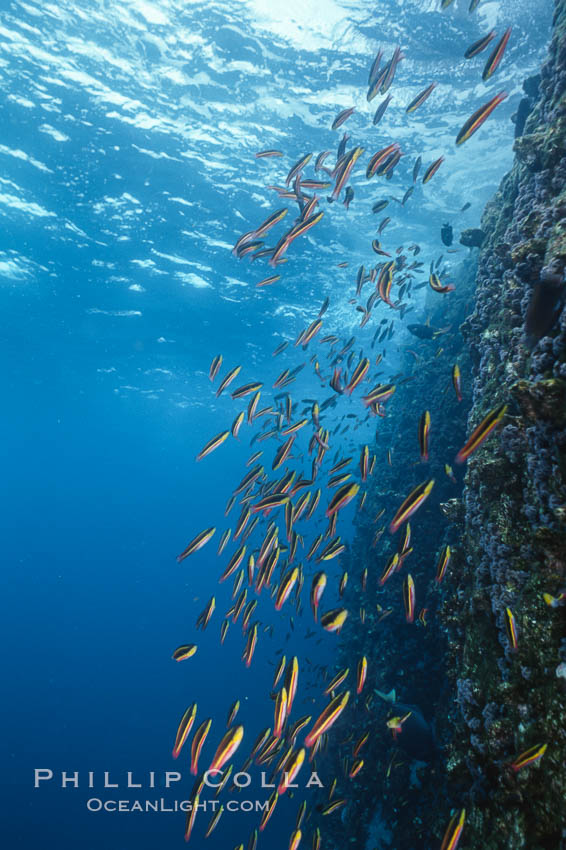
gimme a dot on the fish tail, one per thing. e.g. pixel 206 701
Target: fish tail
pixel 441 331
pixel 390 697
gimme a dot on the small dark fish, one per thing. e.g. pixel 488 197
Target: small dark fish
pixel 496 56
pixel 341 117
pixel 417 168
pixel 447 234
pixel 349 196
pixel 388 74
pixel 380 111
pixel 348 345
pixel 466 206
pixel 298 166
pixel 296 370
pixel 374 70
pixel 433 168
pixel 360 278
pixel 420 98
pixel 479 45
pixel 407 195
pixel 379 206
pixel 389 164
pixel 342 146
pixel 320 160
pixel 323 309
pixel 376 245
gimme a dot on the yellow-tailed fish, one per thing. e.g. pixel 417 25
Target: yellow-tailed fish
pixel 337 681
pixel 250 645
pixel 214 821
pixel 456 381
pixel 424 432
pixel 342 498
pixel 409 598
pixel 334 620
pixel 454 831
pixel 197 543
pixel 432 169
pixel 530 756
pixel 198 742
pixel 496 55
pixel 332 807
pixel 226 748
pixel 227 380
pixel 212 444
pixel 185 726
pixel 411 504
pixel 291 770
pixel 280 712
pixel 481 433
pixel 511 628
pixel 355 769
pixel 327 718
pixel 234 708
pixel 480 115
pixel 215 366
pixel 184 652
pixel 362 673
pixel 442 563
pixel 191 815
pixel 290 681
pixel 268 811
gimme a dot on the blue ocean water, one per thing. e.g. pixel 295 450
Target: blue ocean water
pixel 127 173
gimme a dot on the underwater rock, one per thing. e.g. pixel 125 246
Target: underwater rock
pixel 527 149
pixel 531 88
pixel 512 548
pixel 542 400
pixel 521 115
pixel 453 509
pixel 540 150
pixel 544 309
pixel 473 237
pixel 528 251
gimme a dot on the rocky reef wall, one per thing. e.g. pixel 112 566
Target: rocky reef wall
pixel 514 539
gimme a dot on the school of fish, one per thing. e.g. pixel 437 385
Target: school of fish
pixel 277 560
